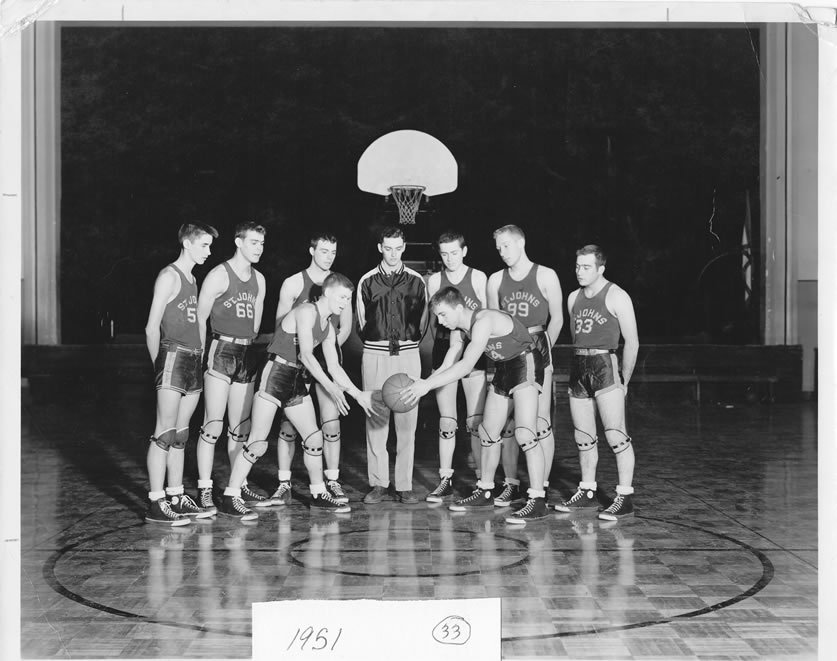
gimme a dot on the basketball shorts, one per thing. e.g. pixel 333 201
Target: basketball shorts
pixel 231 361
pixel 179 368
pixel 518 372
pixel 594 375
pixel 543 347
pixel 283 383
pixel 440 348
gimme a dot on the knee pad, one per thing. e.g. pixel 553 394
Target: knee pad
pixel 621 443
pixel 446 429
pixel 583 444
pixel 287 432
pixel 526 438
pixel 313 444
pixel 485 440
pixel 544 428
pixel 240 432
pixel 254 450
pixel 207 436
pixel 331 436
pixel 472 424
pixel 508 430
pixel 165 440
pixel 180 438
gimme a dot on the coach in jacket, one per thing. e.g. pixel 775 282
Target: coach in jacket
pixel 392 317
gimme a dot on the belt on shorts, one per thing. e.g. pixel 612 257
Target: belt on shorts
pixel 178 347
pixel 279 359
pixel 234 340
pixel 592 352
pixel 535 329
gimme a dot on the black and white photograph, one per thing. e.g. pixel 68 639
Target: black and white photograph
pixel 418 329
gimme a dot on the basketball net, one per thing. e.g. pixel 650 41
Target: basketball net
pixel 407 198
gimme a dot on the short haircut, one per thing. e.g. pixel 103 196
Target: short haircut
pixel 593 249
pixel 322 236
pixel 450 237
pixel 449 295
pixel 391 232
pixel 335 279
pixel 192 231
pixel 250 226
pixel 511 229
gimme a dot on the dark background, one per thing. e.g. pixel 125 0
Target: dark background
pixel 645 141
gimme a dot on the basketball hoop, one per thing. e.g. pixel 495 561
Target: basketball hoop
pixel 407 198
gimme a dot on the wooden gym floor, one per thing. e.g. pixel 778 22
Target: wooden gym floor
pixel 720 561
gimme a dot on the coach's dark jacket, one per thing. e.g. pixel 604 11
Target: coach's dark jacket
pixel 392 307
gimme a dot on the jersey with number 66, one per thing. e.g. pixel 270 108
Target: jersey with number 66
pixel 593 325
pixel 233 311
pixel 523 299
pixel 179 325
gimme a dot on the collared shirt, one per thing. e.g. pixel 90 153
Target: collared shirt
pixel 391 306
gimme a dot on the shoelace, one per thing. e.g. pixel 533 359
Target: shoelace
pixel 508 489
pixel 616 505
pixel 443 485
pixel 206 497
pixel 336 488
pixel 477 495
pixel 238 505
pixel 327 496
pixel 577 496
pixel 188 502
pixel 527 508
pixel 167 511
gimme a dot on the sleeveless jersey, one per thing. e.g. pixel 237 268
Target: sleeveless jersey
pixel 310 290
pixel 523 299
pixel 232 312
pixel 505 347
pixel 466 288
pixel 286 345
pixel 180 317
pixel 594 327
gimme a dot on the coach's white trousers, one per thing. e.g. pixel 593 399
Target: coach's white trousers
pixel 376 367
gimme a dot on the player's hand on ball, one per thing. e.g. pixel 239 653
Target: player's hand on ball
pixel 369 405
pixel 414 392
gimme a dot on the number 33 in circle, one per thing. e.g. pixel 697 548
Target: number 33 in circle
pixel 453 630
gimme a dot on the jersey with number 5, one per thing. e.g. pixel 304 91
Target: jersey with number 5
pixel 179 324
pixel 233 311
pixel 594 326
pixel 523 299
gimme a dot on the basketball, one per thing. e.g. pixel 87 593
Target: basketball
pixel 391 392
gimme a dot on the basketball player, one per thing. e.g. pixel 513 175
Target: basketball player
pixel 284 383
pixel 305 287
pixel 392 318
pixel 532 293
pixel 471 284
pixel 232 298
pixel 517 379
pixel 173 338
pixel 600 312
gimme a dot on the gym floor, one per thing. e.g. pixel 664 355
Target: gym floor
pixel 720 561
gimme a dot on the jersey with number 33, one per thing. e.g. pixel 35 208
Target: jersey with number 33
pixel 594 327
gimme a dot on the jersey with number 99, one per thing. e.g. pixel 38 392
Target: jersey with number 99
pixel 523 299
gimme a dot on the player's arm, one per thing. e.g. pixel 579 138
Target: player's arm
pixel 345 325
pixel 480 282
pixel 551 288
pixel 338 374
pixel 288 293
pixel 305 320
pixel 425 311
pixel 492 290
pixel 259 311
pixel 165 289
pixel 480 336
pixel 454 351
pixel 622 306
pixel 570 302
pixel 215 284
